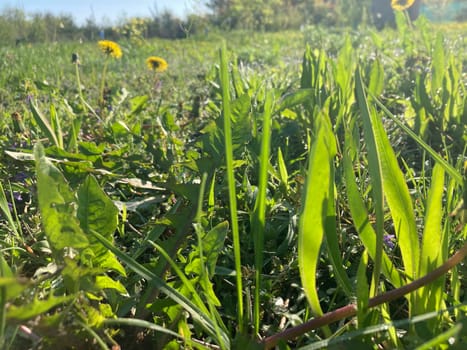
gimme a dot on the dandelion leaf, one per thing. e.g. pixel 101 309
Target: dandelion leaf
pixel 35 308
pixel 98 213
pixel 57 206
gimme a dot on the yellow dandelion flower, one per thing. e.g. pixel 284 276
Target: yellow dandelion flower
pixel 157 64
pixel 401 5
pixel 110 48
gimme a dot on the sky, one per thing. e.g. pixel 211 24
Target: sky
pixel 105 11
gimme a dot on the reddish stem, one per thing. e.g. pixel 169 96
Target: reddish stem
pixel 351 309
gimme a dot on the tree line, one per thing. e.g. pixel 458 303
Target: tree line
pixel 17 27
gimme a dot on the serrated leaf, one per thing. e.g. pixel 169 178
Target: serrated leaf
pixel 105 282
pixel 36 307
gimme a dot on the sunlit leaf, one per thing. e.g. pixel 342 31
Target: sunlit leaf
pixel 36 307
pixel 57 205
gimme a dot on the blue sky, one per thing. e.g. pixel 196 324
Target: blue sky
pixel 106 11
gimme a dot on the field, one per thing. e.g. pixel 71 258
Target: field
pixel 300 189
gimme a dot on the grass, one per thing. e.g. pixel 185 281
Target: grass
pixel 295 189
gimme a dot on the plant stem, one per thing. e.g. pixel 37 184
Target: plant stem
pixel 351 309
pixel 80 92
pixel 104 72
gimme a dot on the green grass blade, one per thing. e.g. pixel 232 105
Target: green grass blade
pixel 375 173
pixel 283 174
pixel 225 86
pixel 55 124
pixel 214 315
pixel 7 213
pixel 259 212
pixel 362 290
pixel 44 124
pixel 195 312
pixel 330 226
pixel 186 282
pixel 438 66
pixel 395 188
pixel 439 159
pixel 434 245
pixel 444 338
pixel 313 215
pixel 360 218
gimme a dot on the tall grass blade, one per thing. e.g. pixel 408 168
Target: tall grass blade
pixel 438 66
pixel 446 166
pixel 375 170
pixel 362 291
pixel 330 226
pixel 224 79
pixel 313 213
pixel 5 209
pixel 283 174
pixel 395 189
pixel 259 212
pixel 360 217
pixel 55 123
pixel 444 339
pixel 434 250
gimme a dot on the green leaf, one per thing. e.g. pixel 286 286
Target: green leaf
pixel 97 212
pixel 294 98
pixel 138 103
pixel 360 216
pixel 438 67
pixel 11 285
pixel 55 123
pixel 5 210
pixel 313 214
pixel 229 159
pixel 283 174
pixel 362 291
pixel 395 188
pixel 105 282
pixel 200 316
pixel 434 249
pixel 439 159
pixel 36 307
pixel 44 124
pixel 375 171
pixel 213 242
pixel 376 85
pixel 258 221
pixel 330 225
pixel 57 206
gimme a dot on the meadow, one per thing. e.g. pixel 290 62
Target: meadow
pixel 298 190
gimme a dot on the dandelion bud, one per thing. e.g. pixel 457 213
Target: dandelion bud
pixel 75 58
